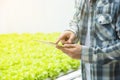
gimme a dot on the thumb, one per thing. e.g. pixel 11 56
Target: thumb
pixel 58 41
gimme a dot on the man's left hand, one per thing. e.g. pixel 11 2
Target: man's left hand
pixel 72 50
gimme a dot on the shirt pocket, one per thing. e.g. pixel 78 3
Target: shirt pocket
pixel 104 27
pixel 103 19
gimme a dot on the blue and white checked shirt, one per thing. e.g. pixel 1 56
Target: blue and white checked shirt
pixel 103 54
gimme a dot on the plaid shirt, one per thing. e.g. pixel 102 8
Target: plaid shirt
pixel 103 55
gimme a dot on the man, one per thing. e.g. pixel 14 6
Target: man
pixel 96 24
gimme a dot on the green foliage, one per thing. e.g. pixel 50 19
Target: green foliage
pixel 21 58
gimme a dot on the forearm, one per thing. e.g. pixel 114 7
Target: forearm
pixel 101 55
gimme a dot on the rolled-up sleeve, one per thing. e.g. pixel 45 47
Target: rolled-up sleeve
pixel 73 25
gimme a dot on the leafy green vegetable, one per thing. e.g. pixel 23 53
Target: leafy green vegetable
pixel 23 59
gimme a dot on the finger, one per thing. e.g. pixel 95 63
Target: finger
pixel 64 42
pixel 65 46
pixel 67 52
pixel 71 39
pixel 59 47
pixel 60 39
pixel 64 50
pixel 67 49
pixel 69 45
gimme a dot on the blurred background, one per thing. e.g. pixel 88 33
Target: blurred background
pixel 35 15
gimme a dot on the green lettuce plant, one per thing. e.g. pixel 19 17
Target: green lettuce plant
pixel 21 58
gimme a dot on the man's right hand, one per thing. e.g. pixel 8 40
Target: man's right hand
pixel 67 37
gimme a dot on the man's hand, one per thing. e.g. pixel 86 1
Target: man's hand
pixel 67 37
pixel 72 50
